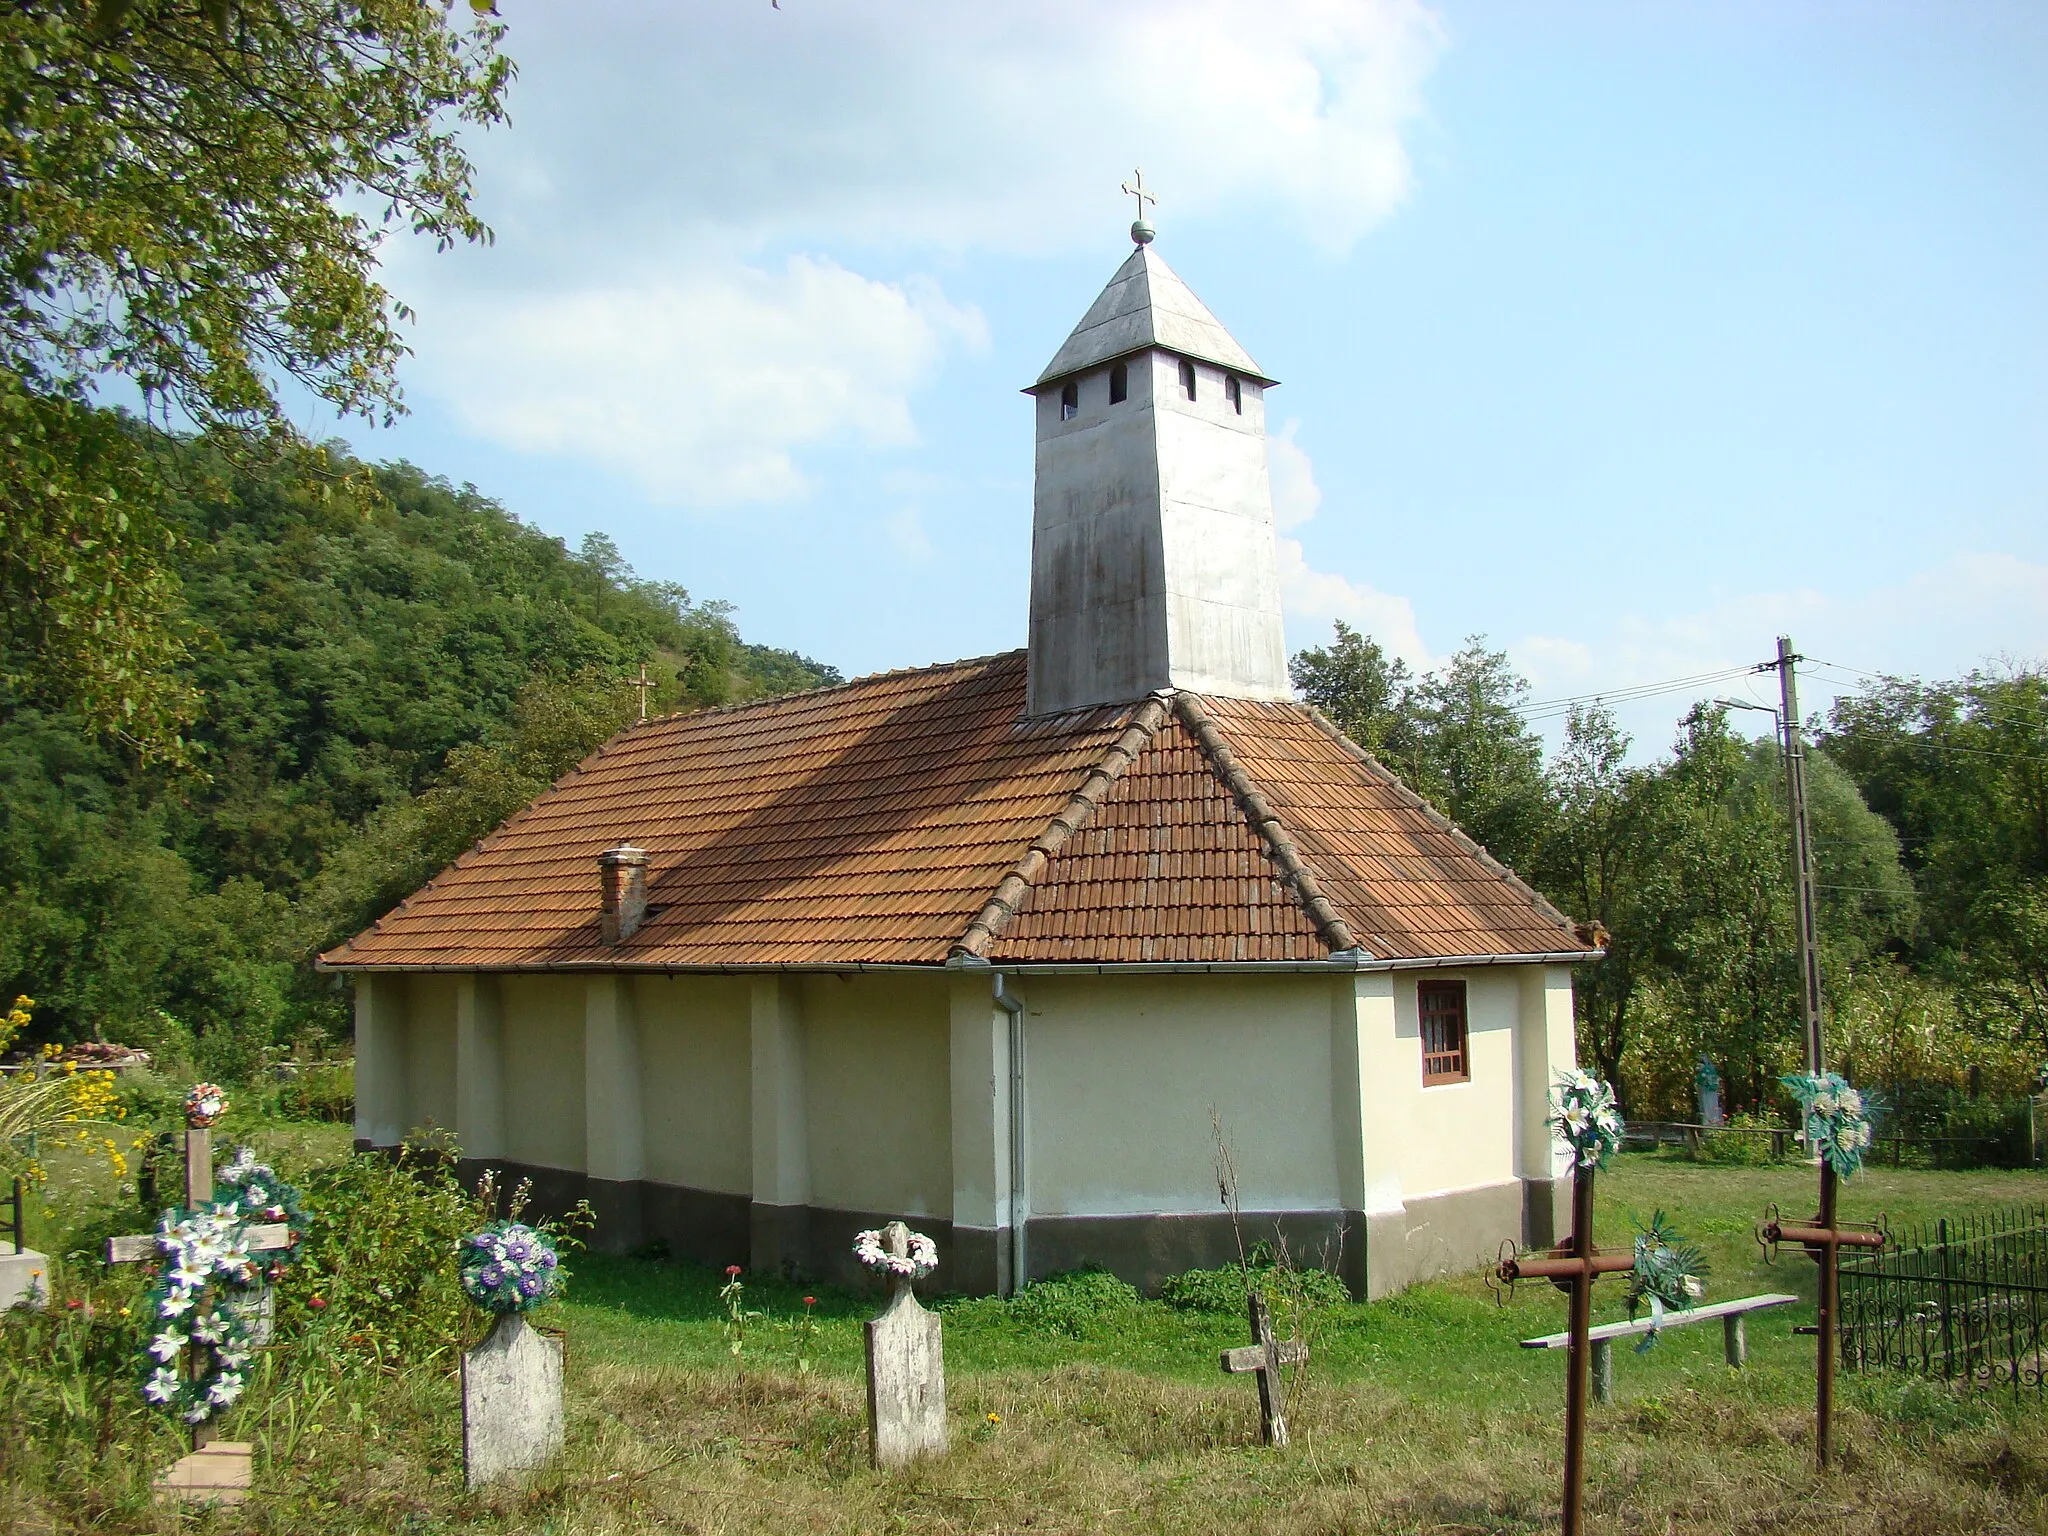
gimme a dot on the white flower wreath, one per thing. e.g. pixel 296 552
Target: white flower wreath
pixel 922 1259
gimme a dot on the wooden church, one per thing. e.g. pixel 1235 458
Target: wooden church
pixel 1003 947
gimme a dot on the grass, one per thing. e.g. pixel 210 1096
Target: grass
pixel 1418 1413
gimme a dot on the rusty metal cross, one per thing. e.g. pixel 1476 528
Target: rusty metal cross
pixel 1824 1238
pixel 1265 1356
pixel 1572 1267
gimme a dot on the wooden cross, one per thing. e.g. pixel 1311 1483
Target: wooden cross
pixel 1823 1238
pixel 267 1238
pixel 1572 1267
pixel 1265 1355
pixel 643 685
pixel 1136 188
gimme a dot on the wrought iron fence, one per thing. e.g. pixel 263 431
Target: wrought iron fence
pixel 1961 1299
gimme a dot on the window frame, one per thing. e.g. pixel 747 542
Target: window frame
pixel 1070 399
pixel 1452 1063
pixel 1233 391
pixel 1119 383
pixel 1187 377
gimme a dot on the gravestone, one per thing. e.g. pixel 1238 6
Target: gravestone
pixel 1707 1082
pixel 1265 1355
pixel 906 1373
pixel 511 1401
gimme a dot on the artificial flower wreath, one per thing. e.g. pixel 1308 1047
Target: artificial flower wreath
pixel 1834 1119
pixel 1586 1119
pixel 920 1261
pixel 509 1267
pixel 206 1264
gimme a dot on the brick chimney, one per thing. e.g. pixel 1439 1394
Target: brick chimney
pixel 622 891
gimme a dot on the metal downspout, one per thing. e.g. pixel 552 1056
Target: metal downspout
pixel 1019 1204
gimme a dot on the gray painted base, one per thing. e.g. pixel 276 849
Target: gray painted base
pixel 1440 1235
pixel 1376 1253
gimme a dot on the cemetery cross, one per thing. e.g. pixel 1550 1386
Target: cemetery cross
pixel 1265 1355
pixel 1573 1266
pixel 905 1353
pixel 1839 1132
pixel 199 1178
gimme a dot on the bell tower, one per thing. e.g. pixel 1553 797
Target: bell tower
pixel 1152 562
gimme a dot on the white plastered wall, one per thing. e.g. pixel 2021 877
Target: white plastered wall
pixel 1123 1073
pixel 695 1083
pixel 542 1033
pixel 429 1011
pixel 877 1093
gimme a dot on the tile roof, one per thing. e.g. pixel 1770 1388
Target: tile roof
pixel 902 818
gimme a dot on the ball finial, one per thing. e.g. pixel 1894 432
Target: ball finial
pixel 1141 232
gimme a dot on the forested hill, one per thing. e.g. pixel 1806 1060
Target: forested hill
pixel 386 667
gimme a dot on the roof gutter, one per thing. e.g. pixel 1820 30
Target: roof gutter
pixel 1351 960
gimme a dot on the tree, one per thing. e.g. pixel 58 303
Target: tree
pixel 1364 691
pixel 1477 760
pixel 181 191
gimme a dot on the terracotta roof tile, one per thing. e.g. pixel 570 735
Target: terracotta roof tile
pixel 899 818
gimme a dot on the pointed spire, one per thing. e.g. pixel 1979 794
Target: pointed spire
pixel 1147 305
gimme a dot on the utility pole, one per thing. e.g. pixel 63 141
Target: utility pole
pixel 1794 748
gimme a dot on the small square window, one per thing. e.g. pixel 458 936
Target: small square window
pixel 1187 377
pixel 1234 392
pixel 1070 402
pixel 1119 384
pixel 1445 1057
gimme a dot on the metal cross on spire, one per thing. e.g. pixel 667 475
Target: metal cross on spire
pixel 1141 231
pixel 643 683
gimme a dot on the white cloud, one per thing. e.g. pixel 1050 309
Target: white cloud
pixel 1313 597
pixel 700 383
pixel 995 127
pixel 627 315
pixel 1296 496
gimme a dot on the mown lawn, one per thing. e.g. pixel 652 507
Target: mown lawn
pixel 1419 1413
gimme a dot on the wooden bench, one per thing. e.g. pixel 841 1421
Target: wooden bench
pixel 1602 1338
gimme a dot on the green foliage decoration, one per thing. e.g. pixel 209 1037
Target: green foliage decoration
pixel 1670 1274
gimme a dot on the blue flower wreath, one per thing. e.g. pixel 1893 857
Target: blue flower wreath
pixel 509 1267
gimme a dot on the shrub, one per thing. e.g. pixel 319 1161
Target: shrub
pixel 1223 1290
pixel 324 1090
pixel 379 1268
pixel 1080 1304
pixel 1729 1146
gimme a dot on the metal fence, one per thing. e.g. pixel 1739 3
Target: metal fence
pixel 2015 1148
pixel 1961 1299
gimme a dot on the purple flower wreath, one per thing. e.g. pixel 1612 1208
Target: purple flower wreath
pixel 509 1267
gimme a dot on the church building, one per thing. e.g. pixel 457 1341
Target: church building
pixel 1009 947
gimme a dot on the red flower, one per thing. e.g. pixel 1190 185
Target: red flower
pixel 318 1303
pixel 73 1304
pixel 731 1270
pixel 810 1301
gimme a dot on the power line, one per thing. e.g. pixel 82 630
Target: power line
pixel 1549 707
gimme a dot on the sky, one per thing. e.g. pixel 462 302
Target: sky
pixel 1628 337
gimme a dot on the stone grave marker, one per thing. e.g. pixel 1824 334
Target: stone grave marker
pixel 511 1401
pixel 1265 1355
pixel 512 1381
pixel 906 1356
